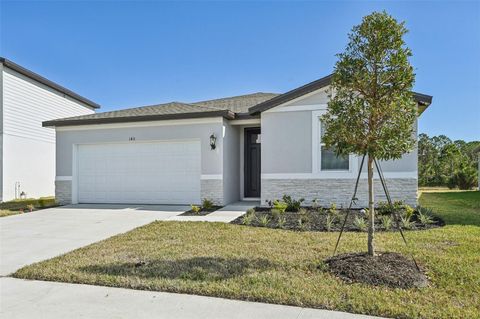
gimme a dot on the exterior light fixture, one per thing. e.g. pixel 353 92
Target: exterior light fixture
pixel 213 141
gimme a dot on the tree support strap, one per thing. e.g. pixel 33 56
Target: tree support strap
pixel 395 214
pixel 389 199
pixel 352 201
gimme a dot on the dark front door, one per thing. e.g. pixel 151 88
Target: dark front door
pixel 252 162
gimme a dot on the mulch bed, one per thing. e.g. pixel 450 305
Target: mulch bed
pixel 316 220
pixel 386 269
pixel 202 212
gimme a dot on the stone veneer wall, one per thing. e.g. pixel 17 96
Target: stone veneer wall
pixel 339 191
pixel 212 189
pixel 63 192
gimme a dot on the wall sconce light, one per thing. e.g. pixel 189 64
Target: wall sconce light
pixel 213 141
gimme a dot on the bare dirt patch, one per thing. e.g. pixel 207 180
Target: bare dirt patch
pixel 387 269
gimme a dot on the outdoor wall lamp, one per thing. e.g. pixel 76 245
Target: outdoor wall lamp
pixel 213 141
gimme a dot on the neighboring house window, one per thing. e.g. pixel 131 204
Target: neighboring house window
pixel 328 160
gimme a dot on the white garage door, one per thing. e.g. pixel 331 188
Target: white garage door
pixel 139 173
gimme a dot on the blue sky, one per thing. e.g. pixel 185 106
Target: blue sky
pixel 123 54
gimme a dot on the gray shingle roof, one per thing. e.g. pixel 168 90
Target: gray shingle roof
pixel 157 109
pixel 220 107
pixel 238 104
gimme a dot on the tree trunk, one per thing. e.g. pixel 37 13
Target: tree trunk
pixel 371 209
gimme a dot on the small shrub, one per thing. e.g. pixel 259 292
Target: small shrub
pixel 360 223
pixel 425 210
pixel 46 202
pixel 247 219
pixel 30 207
pixel 195 209
pixel 398 205
pixel 329 221
pixel 277 213
pixel 386 222
pixel 279 205
pixel 22 204
pixel 425 216
pixel 303 212
pixel 303 219
pixel 333 207
pixel 405 222
pixel 333 211
pixel 292 204
pixel 281 221
pixel 251 211
pixel 425 219
pixel 302 224
pixel 207 204
pixel 384 208
pixel 408 211
pixel 264 220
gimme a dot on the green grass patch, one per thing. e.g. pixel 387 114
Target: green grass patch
pixel 280 266
pixel 461 208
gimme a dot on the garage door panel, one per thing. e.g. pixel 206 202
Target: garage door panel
pixel 145 173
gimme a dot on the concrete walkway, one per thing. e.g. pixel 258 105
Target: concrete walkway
pixel 225 214
pixel 39 299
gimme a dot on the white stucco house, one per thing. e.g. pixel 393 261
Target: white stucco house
pixel 27 150
pixel 258 146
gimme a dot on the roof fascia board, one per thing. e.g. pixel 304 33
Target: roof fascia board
pixel 207 120
pixel 312 87
pixel 128 119
pixel 291 95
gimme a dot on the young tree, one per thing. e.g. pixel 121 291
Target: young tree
pixel 372 110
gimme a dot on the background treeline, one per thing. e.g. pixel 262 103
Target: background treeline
pixel 443 162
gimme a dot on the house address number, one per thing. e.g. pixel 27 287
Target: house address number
pixel 131 138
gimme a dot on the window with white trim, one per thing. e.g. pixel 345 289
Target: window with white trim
pixel 328 160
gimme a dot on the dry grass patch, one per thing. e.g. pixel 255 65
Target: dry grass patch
pixel 5 213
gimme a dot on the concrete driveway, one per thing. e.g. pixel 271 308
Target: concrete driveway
pixel 33 237
pixel 22 299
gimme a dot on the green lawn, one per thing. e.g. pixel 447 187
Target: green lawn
pixel 462 208
pixel 278 266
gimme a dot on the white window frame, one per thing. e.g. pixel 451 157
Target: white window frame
pixel 317 155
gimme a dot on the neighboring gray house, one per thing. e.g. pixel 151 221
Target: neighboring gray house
pixel 27 150
pixel 255 146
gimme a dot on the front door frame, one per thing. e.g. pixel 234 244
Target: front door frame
pixel 248 193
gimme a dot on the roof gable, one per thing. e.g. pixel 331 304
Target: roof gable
pixel 422 99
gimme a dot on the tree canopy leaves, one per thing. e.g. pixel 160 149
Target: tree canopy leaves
pixel 372 110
